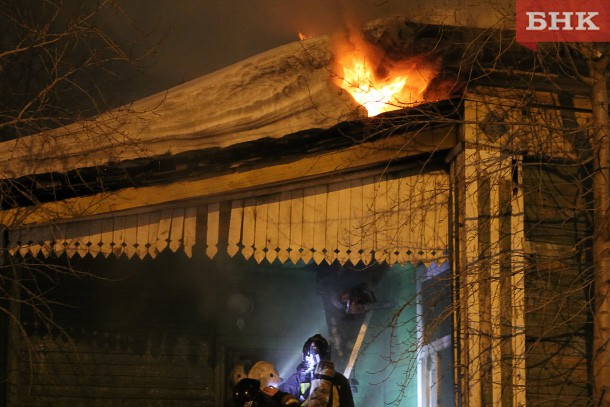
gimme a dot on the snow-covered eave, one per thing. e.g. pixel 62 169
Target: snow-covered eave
pixel 279 92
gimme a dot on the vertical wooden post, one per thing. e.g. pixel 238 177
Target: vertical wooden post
pixel 518 286
pixel 467 243
pixel 499 170
pixel 469 282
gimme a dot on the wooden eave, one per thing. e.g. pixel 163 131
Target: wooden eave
pixel 209 174
pixel 210 162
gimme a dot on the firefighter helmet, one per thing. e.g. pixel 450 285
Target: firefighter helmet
pixel 266 373
pixel 316 345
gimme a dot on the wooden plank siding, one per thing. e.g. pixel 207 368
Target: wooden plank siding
pixel 107 370
pixel 557 321
pixel 550 269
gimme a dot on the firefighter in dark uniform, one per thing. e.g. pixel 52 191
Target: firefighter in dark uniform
pixel 315 382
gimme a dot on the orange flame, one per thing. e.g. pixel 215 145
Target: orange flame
pixel 403 84
pixel 303 36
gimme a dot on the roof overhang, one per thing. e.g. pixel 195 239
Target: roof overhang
pixel 279 92
pixel 382 152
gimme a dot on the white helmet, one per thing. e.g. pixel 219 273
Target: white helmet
pixel 237 373
pixel 266 373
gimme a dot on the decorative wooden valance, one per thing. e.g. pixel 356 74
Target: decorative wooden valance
pixel 393 218
pixel 140 234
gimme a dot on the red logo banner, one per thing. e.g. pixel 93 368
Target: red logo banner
pixel 562 21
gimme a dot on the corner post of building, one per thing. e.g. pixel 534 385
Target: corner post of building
pixel 489 238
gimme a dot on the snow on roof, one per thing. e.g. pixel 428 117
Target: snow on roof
pixel 279 92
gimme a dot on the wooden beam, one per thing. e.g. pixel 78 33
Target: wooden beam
pixel 471 289
pixel 364 155
pixel 518 290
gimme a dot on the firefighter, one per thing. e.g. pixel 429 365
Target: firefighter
pixel 266 373
pixel 248 393
pixel 239 371
pixel 315 382
pixel 355 300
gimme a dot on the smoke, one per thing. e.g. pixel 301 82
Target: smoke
pixel 196 38
pixel 319 17
pixel 199 37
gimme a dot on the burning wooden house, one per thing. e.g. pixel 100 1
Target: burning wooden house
pixel 217 221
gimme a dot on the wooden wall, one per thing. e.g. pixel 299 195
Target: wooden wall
pixel 132 337
pixel 104 369
pixel 557 283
